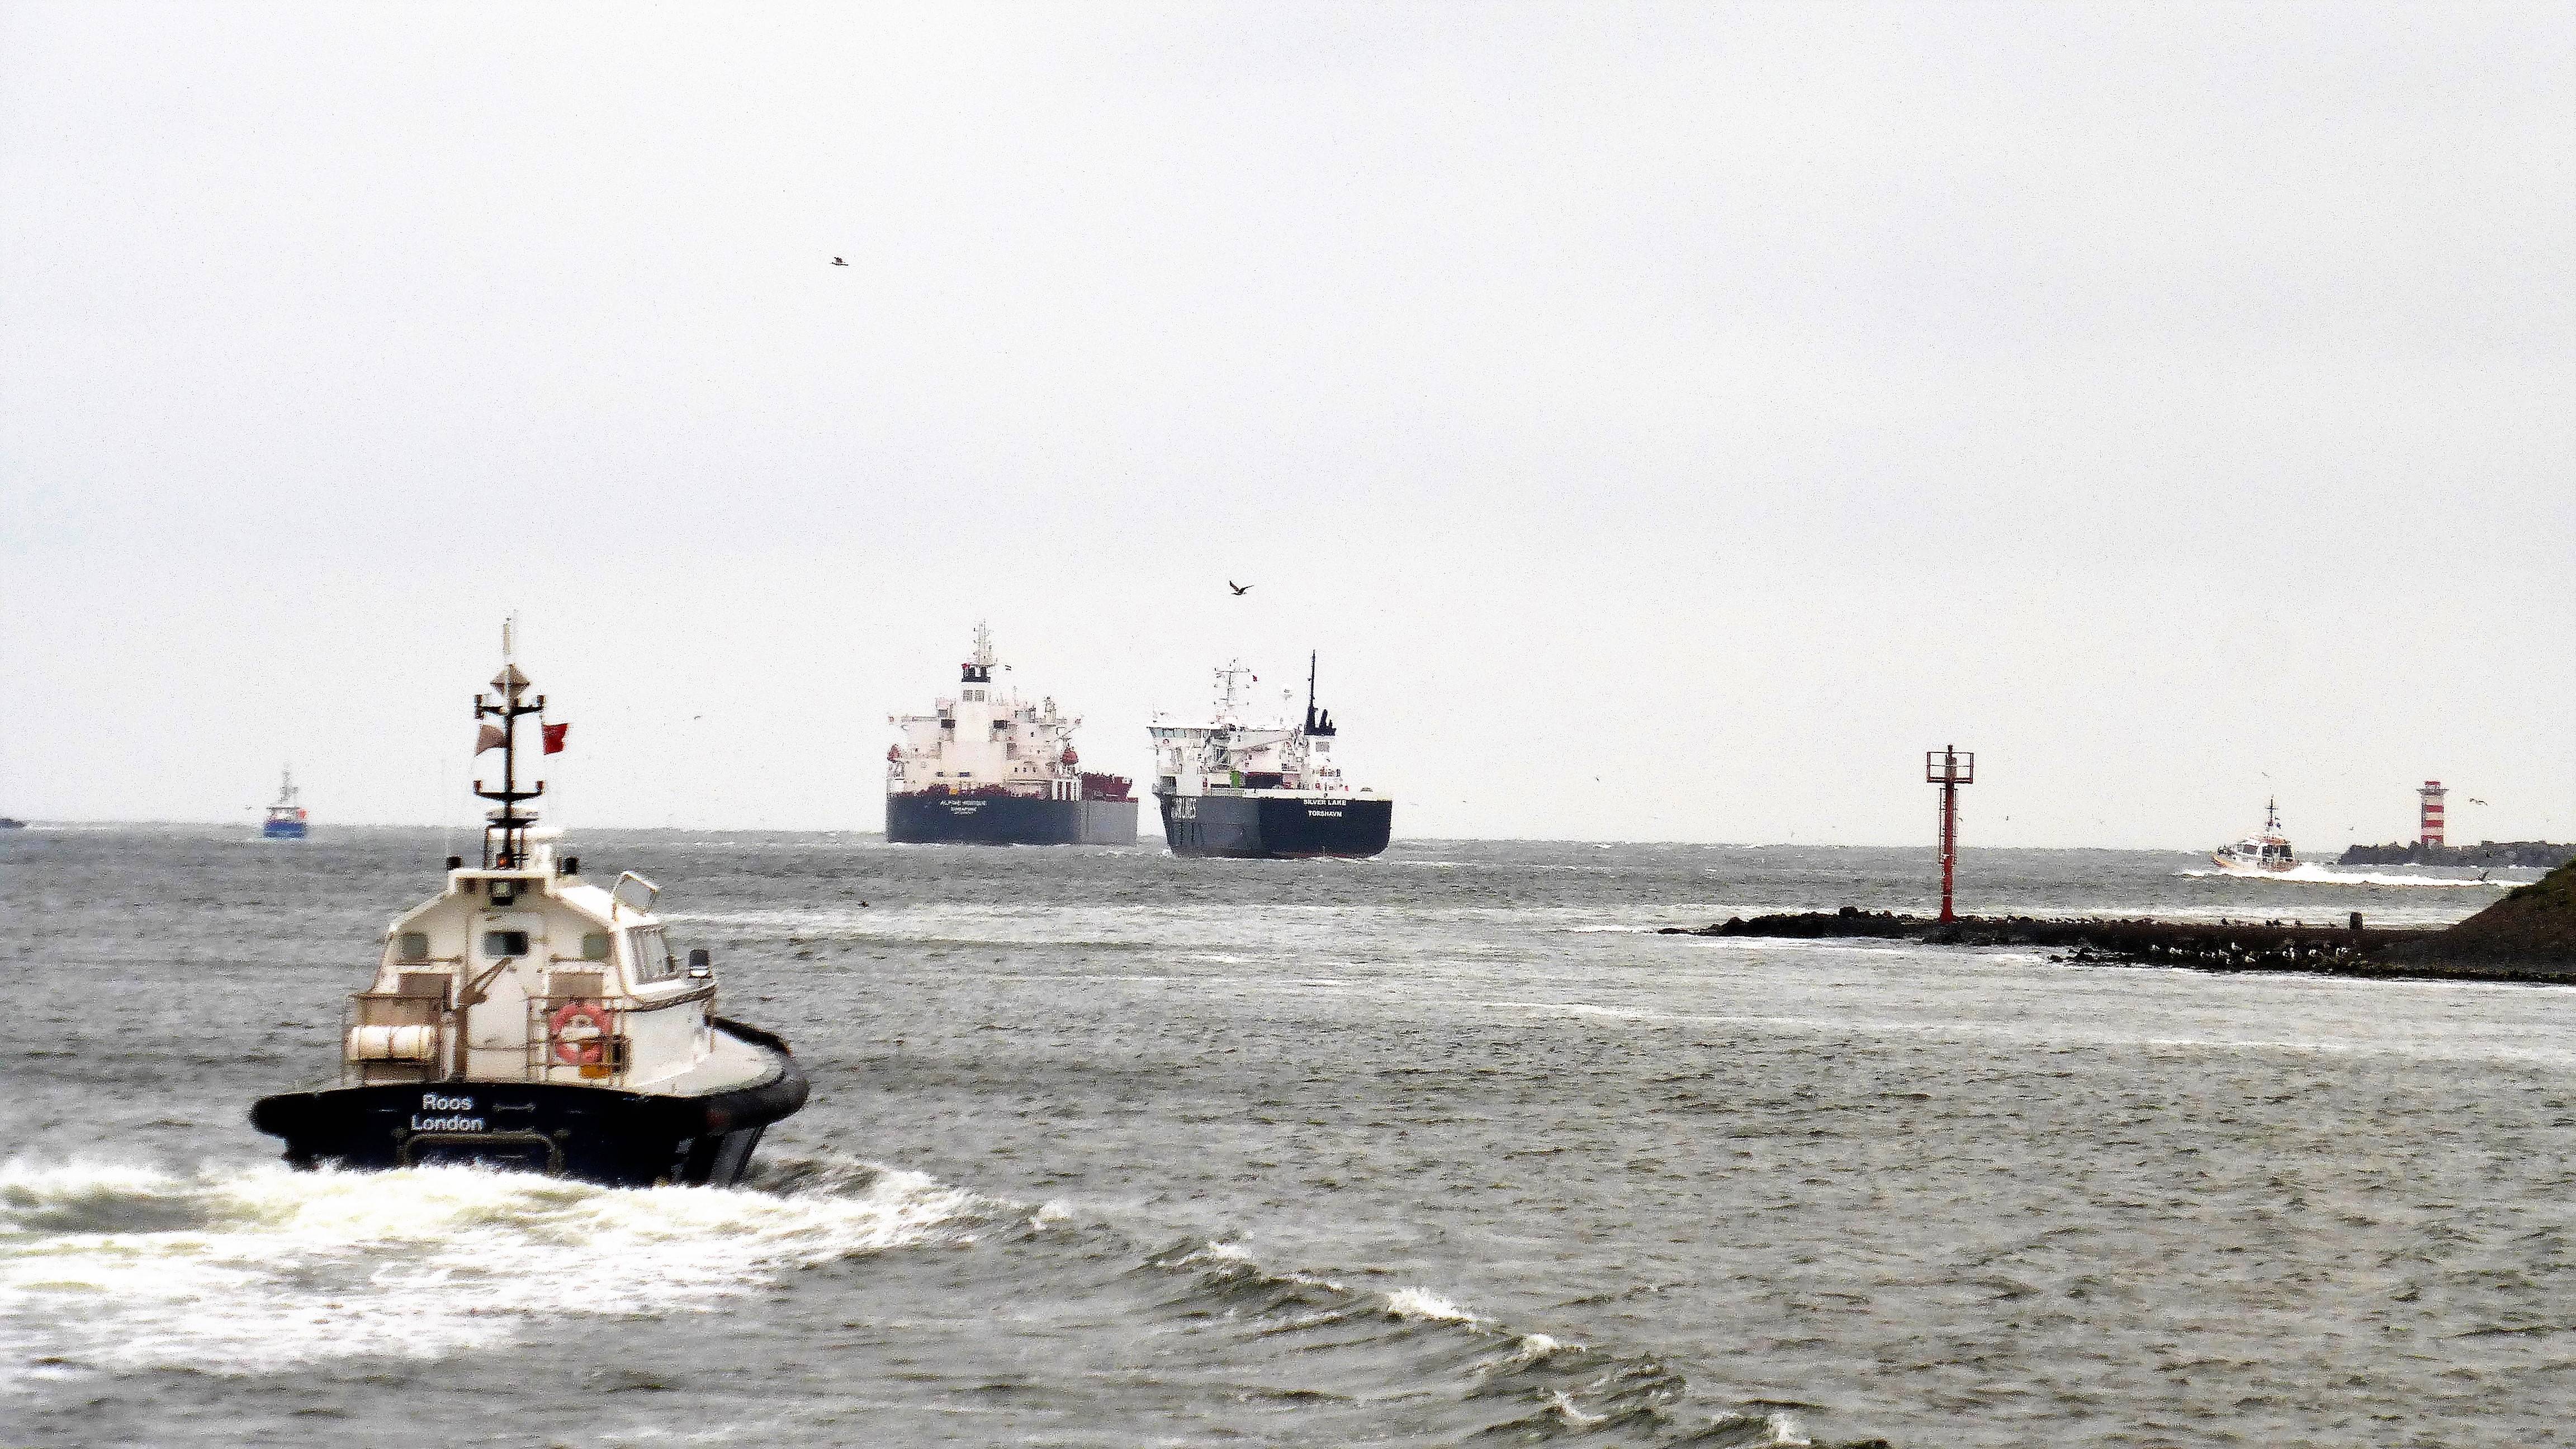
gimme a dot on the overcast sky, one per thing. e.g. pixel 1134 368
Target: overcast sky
pixel 1667 422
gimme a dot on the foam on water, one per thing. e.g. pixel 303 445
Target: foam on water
pixel 247 1271
pixel 2311 873
pixel 1422 1303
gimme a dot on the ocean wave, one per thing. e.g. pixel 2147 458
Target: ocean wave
pixel 2310 873
pixel 241 1271
pixel 1509 1386
pixel 1424 1304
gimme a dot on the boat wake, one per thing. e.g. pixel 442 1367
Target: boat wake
pixel 241 1271
pixel 2310 873
pixel 1484 1380
pixel 112 1269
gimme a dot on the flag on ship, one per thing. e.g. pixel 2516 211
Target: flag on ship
pixel 555 737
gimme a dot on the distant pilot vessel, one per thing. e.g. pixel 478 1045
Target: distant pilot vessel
pixel 1235 787
pixel 285 818
pixel 985 768
pixel 525 1019
pixel 2265 853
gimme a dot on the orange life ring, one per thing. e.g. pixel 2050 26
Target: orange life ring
pixel 575 1051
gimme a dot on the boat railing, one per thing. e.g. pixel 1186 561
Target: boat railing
pixel 587 1039
pixel 394 1037
pixel 399 1037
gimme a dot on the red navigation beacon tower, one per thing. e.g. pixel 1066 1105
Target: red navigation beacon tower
pixel 1949 767
pixel 2430 830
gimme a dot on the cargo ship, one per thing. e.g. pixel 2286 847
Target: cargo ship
pixel 987 768
pixel 524 1018
pixel 1262 790
pixel 285 818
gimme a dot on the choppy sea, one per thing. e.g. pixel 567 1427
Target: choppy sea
pixel 1108 1148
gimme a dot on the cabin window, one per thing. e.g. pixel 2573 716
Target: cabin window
pixel 414 946
pixel 648 955
pixel 497 944
pixel 594 946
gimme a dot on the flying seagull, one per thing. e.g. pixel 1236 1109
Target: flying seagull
pixel 1239 589
pixel 836 261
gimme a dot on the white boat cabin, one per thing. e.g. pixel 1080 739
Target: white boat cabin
pixel 529 973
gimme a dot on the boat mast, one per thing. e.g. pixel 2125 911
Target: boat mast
pixel 508 830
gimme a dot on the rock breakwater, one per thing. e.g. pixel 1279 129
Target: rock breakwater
pixel 2346 949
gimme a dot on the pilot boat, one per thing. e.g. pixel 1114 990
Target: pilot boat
pixel 525 1018
pixel 2266 853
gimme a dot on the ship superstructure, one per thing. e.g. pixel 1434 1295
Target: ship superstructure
pixel 1244 786
pixel 286 817
pixel 525 1018
pixel 987 767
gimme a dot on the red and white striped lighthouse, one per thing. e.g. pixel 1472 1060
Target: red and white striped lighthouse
pixel 2430 831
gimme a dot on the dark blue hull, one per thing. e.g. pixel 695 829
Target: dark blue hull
pixel 597 1134
pixel 1008 820
pixel 1272 828
pixel 283 830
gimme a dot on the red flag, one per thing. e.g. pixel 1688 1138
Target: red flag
pixel 554 738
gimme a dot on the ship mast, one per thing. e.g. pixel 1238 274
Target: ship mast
pixel 505 839
pixel 1226 700
pixel 1319 722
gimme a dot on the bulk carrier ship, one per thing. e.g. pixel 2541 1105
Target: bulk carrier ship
pixel 1262 791
pixel 987 769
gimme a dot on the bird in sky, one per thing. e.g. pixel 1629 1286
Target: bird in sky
pixel 836 261
pixel 2474 800
pixel 1239 589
